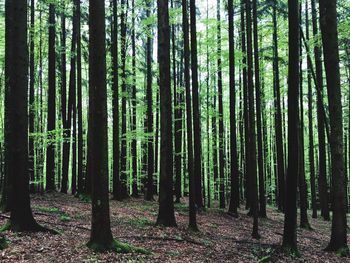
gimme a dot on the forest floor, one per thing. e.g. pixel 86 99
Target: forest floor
pixel 221 237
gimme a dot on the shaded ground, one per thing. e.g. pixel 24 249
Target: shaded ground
pixel 221 237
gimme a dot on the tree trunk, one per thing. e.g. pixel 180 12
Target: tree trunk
pixel 328 22
pixel 166 216
pixel 290 218
pixel 196 113
pixel 51 116
pixel 101 235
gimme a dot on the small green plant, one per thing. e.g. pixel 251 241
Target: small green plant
pixel 51 210
pixel 3 243
pixel 343 252
pixel 65 218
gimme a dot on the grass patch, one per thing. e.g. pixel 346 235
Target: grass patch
pixel 51 210
pixel 343 252
pixel 3 243
pixel 65 218
pixel 140 223
pixel 118 247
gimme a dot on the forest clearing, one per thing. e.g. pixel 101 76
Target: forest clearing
pixel 222 238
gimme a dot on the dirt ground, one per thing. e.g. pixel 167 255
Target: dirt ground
pixel 221 237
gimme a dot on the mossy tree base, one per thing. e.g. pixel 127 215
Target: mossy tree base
pixel 342 251
pixel 306 226
pixel 116 246
pixel 3 243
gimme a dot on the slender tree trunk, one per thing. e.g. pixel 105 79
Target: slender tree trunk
pixel 115 104
pixel 195 104
pixel 328 22
pixel 150 152
pixel 311 130
pixel 31 98
pixel 252 167
pixel 320 119
pixel 290 218
pixel 134 102
pixel 234 198
pixel 51 116
pixel 278 116
pixel 262 199
pixel 190 164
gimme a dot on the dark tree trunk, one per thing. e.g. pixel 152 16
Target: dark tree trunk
pixel 16 116
pixel 31 98
pixel 322 180
pixel 178 120
pixel 66 121
pixel 79 103
pixel 115 103
pixel 262 199
pixel 133 102
pixel 150 152
pixel 311 130
pixel 221 114
pixel 190 165
pixel 290 219
pixel 278 116
pixel 304 221
pixel 252 167
pixel 197 166
pixel 234 198
pixel 166 216
pixel 51 116
pixel 101 235
pixel 123 153
pixel 328 22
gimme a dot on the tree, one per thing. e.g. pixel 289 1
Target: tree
pixel 278 115
pixel 16 115
pixel 51 116
pixel 289 234
pixel 320 119
pixel 329 30
pixel 234 199
pixel 101 236
pixel 166 216
pixel 150 153
pixel 190 164
pixel 195 104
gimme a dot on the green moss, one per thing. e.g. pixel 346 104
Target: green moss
pixel 3 243
pixel 85 198
pixel 264 259
pixel 291 251
pixel 5 227
pixel 140 222
pixel 52 210
pixel 118 247
pixel 65 218
pixel 343 252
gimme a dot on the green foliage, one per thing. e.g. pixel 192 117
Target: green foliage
pixel 343 252
pixel 65 218
pixel 51 210
pixel 3 243
pixel 291 252
pixel 264 259
pixel 141 222
pixel 118 247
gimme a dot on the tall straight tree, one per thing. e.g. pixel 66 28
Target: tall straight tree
pixel 31 97
pixel 16 115
pixel 80 185
pixel 123 152
pixel 101 236
pixel 320 119
pixel 234 198
pixel 310 119
pixel 185 26
pixel 252 167
pixel 221 113
pixel 290 218
pixel 134 103
pixel 329 30
pixel 150 151
pixel 278 115
pixel 262 199
pixel 166 216
pixel 115 103
pixel 51 104
pixel 195 104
